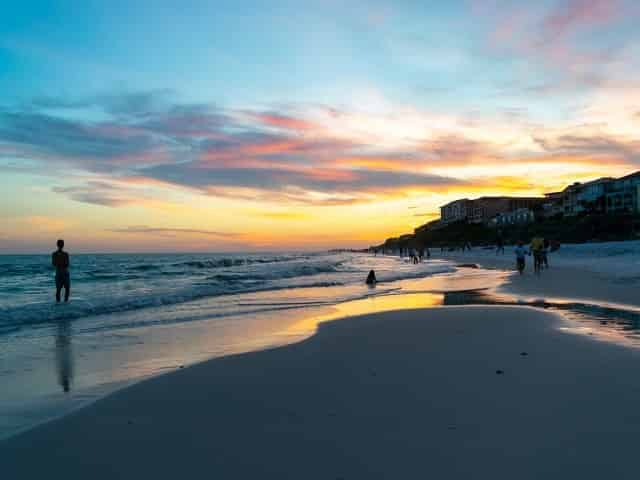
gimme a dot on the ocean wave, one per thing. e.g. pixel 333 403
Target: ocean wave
pixel 237 261
pixel 106 285
pixel 12 270
pixel 297 270
pixel 46 312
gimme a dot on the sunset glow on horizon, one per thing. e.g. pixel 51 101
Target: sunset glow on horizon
pixel 241 126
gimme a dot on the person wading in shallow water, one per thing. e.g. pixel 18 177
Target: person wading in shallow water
pixel 60 261
pixel 371 279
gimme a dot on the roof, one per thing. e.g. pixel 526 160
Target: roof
pixel 455 201
pixel 631 175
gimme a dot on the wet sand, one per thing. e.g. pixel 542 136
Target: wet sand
pixel 558 282
pixel 453 392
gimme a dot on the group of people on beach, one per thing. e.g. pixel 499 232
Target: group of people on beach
pixel 538 248
pixel 416 255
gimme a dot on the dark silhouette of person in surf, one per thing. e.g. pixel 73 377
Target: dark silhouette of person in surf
pixel 60 261
pixel 371 279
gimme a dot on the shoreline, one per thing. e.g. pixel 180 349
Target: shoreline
pixel 503 290
pixel 371 396
pixel 159 349
pixel 561 281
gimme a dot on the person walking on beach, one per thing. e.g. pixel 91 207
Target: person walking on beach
pixel 521 252
pixel 537 245
pixel 545 253
pixel 500 244
pixel 60 261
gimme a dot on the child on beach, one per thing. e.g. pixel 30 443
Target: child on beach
pixel 521 252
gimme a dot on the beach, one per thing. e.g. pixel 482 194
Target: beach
pixel 446 372
pixel 453 392
pixel 257 240
pixel 605 273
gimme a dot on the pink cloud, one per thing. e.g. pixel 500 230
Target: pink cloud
pixel 574 14
pixel 282 121
pixel 553 37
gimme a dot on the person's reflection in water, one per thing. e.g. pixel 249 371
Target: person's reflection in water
pixel 64 355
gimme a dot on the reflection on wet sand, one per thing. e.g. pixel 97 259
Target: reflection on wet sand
pixel 619 324
pixel 379 303
pixel 64 355
pixel 611 323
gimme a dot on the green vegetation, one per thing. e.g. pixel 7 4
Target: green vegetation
pixel 580 229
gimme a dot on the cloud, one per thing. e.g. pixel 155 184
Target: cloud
pixel 274 119
pixel 127 104
pixel 595 145
pixel 570 43
pixel 49 137
pixel 313 179
pixel 180 121
pixel 571 15
pixel 97 193
pixel 163 231
pixel 277 156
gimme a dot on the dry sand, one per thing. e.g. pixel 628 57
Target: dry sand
pixel 398 395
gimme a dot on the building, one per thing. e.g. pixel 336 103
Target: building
pixel 432 225
pixel 623 195
pixel 455 211
pixel 484 209
pixel 586 197
pixel 515 217
pixel 553 205
pixel 604 195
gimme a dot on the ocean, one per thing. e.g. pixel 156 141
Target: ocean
pixel 109 283
pixel 132 316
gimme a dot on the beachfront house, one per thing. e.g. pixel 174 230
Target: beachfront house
pixel 519 216
pixel 553 205
pixel 455 211
pixel 484 209
pixel 588 197
pixel 623 195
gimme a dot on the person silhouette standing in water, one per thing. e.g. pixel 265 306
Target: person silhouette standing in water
pixel 60 261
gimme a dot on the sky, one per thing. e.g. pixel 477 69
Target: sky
pixel 152 125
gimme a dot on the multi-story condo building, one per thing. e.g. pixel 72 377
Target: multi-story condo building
pixel 623 194
pixel 486 208
pixel 588 197
pixel 604 195
pixel 455 211
pixel 515 217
